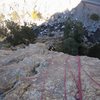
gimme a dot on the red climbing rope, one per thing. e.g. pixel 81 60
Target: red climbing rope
pixel 44 77
pixel 92 79
pixel 65 96
pixel 65 91
pixel 78 82
pixel 79 78
pixel 69 66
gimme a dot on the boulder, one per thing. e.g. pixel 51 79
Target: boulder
pixel 34 73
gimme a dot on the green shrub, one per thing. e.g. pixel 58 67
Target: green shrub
pixel 74 29
pixel 73 37
pixel 20 34
pixel 12 27
pixel 94 51
pixel 70 46
pixel 95 17
pixel 3 32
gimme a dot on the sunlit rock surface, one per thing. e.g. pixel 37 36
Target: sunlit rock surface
pixel 34 73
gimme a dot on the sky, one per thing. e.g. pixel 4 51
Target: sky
pixel 46 7
pixel 49 6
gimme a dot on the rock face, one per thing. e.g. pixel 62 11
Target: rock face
pixel 83 12
pixel 34 73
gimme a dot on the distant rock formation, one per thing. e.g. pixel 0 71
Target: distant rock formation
pixel 83 12
pixel 34 73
